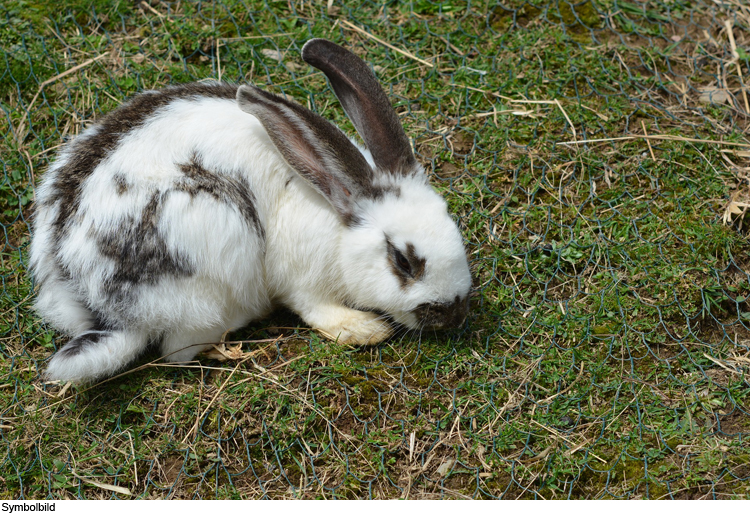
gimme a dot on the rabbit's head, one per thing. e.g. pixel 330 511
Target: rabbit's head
pixel 405 257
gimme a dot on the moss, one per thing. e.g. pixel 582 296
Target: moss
pixel 502 18
pixel 351 488
pixel 578 17
pixel 368 388
pixel 620 478
pixel 38 12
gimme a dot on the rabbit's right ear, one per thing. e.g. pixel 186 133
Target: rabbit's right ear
pixel 365 103
pixel 314 147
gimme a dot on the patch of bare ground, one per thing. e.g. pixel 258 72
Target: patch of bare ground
pixel 735 422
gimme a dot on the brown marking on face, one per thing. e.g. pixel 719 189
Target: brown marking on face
pixel 407 266
pixel 418 264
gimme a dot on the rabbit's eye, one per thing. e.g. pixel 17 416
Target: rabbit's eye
pixel 402 262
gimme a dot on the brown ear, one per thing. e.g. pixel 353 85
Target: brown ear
pixel 314 147
pixel 365 103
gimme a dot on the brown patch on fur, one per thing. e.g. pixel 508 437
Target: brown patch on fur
pixel 79 343
pixel 121 184
pixel 139 252
pixel 225 189
pixel 87 152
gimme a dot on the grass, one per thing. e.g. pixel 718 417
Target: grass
pixel 606 355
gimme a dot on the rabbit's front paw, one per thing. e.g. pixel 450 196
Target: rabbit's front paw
pixel 354 327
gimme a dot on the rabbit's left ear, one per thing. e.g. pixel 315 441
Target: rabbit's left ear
pixel 314 147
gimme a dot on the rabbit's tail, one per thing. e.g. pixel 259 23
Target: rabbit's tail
pixel 95 354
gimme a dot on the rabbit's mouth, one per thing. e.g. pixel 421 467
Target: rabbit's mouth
pixel 432 315
pixel 442 314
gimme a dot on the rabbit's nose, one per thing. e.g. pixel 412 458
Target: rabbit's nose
pixel 443 314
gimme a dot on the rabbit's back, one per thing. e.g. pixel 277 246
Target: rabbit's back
pixel 151 216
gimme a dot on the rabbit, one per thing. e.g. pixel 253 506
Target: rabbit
pixel 198 208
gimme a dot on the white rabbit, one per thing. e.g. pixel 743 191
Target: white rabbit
pixel 198 208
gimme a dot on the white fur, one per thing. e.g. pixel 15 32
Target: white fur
pixel 310 261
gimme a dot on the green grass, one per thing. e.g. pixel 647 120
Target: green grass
pixel 606 354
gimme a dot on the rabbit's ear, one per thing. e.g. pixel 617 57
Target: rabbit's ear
pixel 314 147
pixel 365 103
